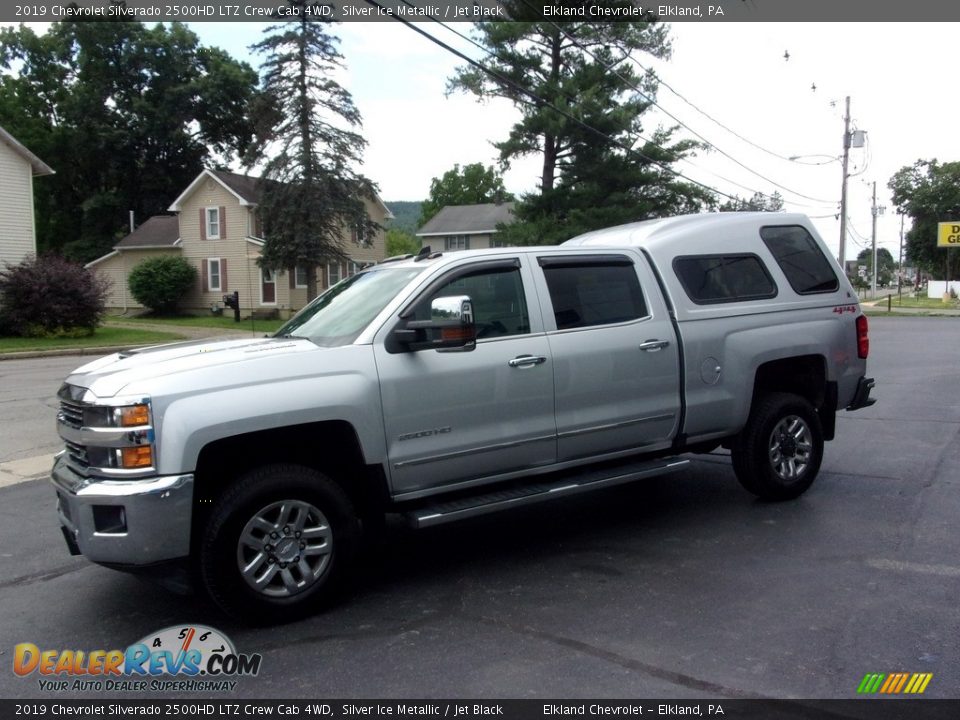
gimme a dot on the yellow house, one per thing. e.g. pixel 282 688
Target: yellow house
pixel 217 229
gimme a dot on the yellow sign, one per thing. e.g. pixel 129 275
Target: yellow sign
pixel 948 234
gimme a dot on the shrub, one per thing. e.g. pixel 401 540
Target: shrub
pixel 160 282
pixel 51 297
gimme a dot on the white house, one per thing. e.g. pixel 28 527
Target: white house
pixel 18 167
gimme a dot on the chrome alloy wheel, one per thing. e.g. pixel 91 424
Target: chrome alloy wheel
pixel 790 447
pixel 284 548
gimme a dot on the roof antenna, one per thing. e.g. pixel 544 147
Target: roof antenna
pixel 423 254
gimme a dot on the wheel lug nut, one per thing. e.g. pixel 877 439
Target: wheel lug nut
pixel 271 560
pixel 286 530
pixel 283 566
pixel 274 535
pixel 296 559
pixel 303 546
pixel 297 534
pixel 268 547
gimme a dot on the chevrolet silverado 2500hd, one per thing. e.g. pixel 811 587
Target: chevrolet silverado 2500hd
pixel 448 385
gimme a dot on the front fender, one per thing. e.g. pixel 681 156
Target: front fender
pixel 336 384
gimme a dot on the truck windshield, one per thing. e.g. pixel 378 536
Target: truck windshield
pixel 338 316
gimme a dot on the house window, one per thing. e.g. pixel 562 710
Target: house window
pixel 300 277
pixel 333 274
pixel 353 268
pixel 213 223
pixel 213 275
pixel 456 242
pixel 253 224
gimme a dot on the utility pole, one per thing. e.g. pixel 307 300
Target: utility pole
pixel 900 262
pixel 843 191
pixel 874 211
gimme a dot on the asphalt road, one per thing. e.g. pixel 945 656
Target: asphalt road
pixel 680 587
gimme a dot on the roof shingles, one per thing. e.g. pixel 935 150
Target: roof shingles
pixel 468 219
pixel 157 231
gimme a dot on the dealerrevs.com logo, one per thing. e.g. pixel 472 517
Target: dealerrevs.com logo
pixel 178 658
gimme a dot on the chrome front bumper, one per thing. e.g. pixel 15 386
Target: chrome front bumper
pixel 129 522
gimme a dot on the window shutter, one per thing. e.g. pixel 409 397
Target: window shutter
pixel 203 223
pixel 205 275
pixel 223 222
pixel 223 274
pixel 293 277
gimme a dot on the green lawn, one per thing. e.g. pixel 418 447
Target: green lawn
pixel 226 322
pixel 103 337
pixel 910 301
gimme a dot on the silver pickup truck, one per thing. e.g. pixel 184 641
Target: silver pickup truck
pixel 448 385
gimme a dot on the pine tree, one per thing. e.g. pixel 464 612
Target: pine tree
pixel 309 142
pixel 581 101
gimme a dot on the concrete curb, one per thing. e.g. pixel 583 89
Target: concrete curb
pixel 67 352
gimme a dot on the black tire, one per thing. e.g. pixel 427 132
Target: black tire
pixel 777 455
pixel 293 529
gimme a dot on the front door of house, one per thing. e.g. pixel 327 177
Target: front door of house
pixel 268 287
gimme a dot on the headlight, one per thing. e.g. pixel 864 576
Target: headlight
pixel 131 415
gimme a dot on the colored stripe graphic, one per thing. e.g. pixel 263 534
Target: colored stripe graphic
pixel 871 683
pixel 894 683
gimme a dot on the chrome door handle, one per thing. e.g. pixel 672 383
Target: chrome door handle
pixel 522 361
pixel 654 345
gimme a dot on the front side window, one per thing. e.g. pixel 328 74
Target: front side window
pixel 709 279
pixel 807 269
pixel 213 223
pixel 589 293
pixel 499 304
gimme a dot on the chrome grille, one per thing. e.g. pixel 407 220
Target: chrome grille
pixel 77 455
pixel 71 413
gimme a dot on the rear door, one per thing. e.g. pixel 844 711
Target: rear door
pixel 615 355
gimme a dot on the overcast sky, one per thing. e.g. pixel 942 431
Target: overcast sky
pixel 900 77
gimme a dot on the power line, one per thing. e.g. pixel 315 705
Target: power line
pixel 572 100
pixel 543 102
pixel 678 120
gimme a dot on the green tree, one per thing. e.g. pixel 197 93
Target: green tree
pixel 471 185
pixel 400 242
pixel 160 283
pixel 757 203
pixel 886 265
pixel 581 102
pixel 126 115
pixel 929 192
pixel 309 143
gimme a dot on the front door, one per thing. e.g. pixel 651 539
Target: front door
pixel 268 287
pixel 455 417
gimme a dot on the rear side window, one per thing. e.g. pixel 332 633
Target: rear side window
pixel 593 293
pixel 711 279
pixel 800 258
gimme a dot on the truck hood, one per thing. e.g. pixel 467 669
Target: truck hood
pixel 107 376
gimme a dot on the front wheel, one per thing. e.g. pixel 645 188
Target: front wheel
pixel 277 544
pixel 778 454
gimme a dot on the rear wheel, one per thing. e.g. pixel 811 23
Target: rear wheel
pixel 278 544
pixel 778 453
